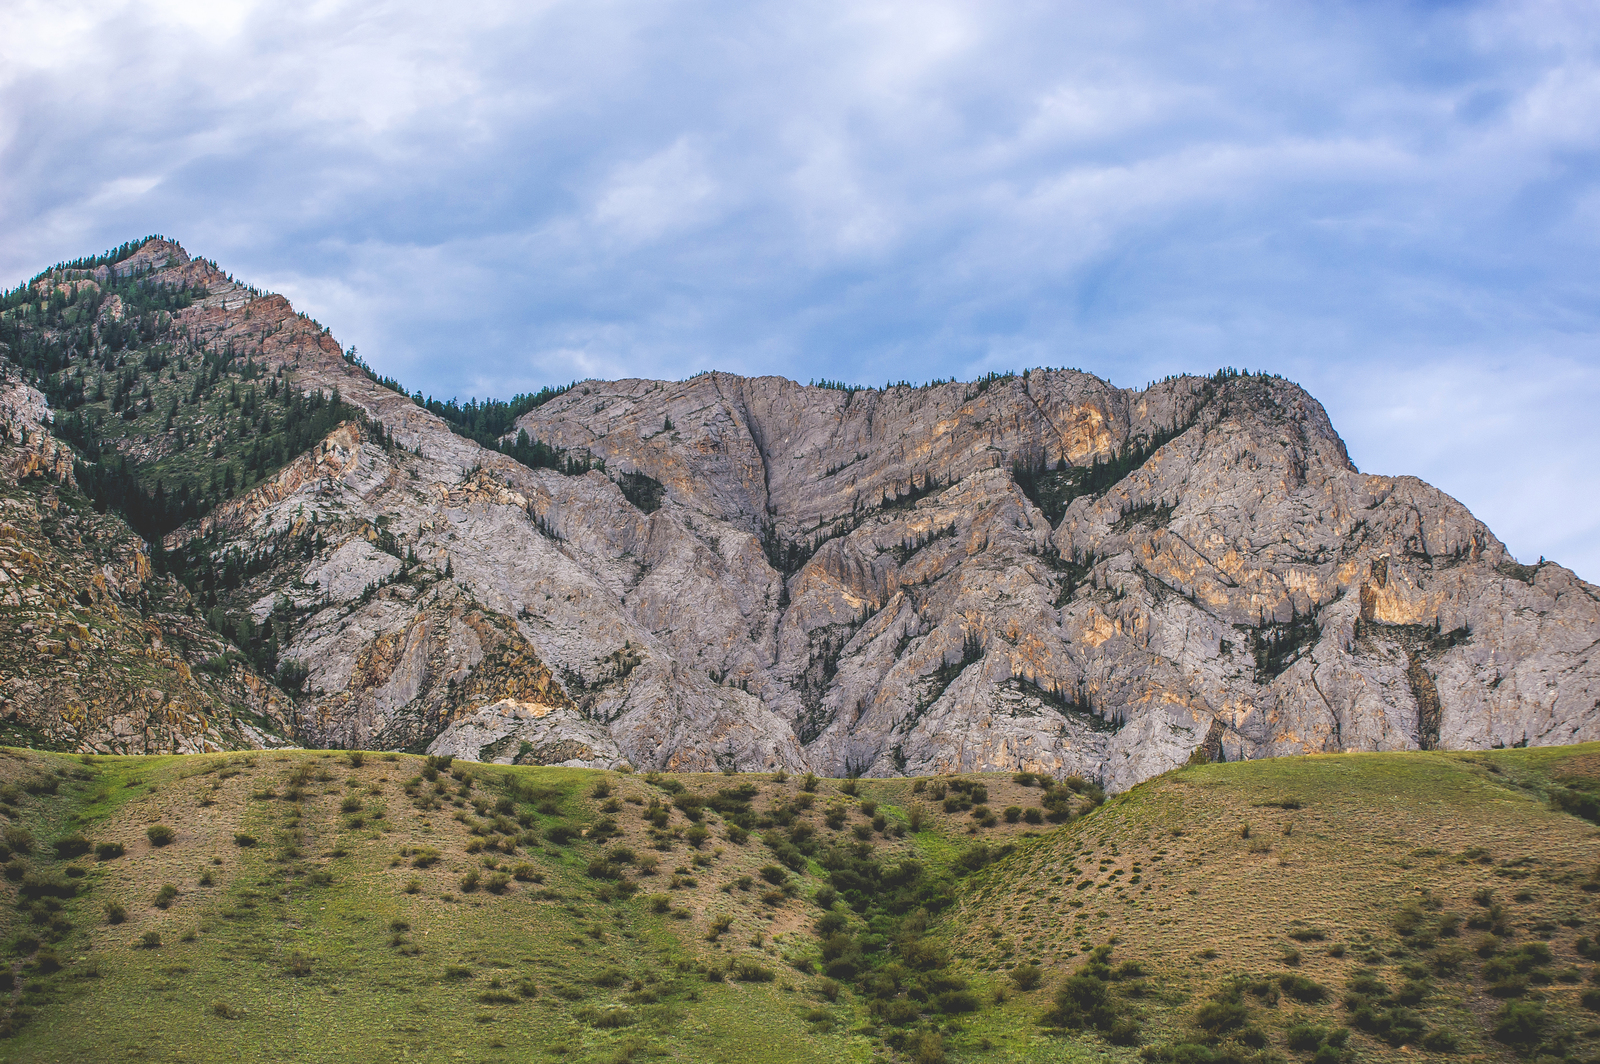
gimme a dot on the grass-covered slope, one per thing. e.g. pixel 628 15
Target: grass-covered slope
pixel 321 906
pixel 1418 900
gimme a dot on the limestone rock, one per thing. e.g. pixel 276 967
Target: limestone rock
pixel 1039 572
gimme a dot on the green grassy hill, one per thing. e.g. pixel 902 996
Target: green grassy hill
pixel 323 906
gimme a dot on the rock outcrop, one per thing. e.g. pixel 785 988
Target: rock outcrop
pixel 1039 572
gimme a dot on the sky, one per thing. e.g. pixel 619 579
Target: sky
pixel 1396 205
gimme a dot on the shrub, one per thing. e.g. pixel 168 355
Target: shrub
pixel 74 845
pixel 424 858
pixel 43 885
pixel 356 758
pixel 498 882
pixel 116 913
pixel 1026 976
pixel 748 971
pixel 1221 1016
pixel 160 834
pixel 1441 1040
pixel 1033 815
pixel 774 874
pixel 351 804
pixel 925 1047
pixel 1013 814
pixel 19 839
pixel 1519 1023
pixel 956 1001
pixel 243 840
pixel 166 896
pixel 1302 989
pixel 469 882
pixel 612 1018
pixel 150 940
pixel 1083 1000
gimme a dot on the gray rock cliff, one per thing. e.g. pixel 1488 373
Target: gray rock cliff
pixel 1039 572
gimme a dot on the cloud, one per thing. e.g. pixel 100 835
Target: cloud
pixel 1395 204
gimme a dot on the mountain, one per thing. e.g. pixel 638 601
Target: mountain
pixel 1035 572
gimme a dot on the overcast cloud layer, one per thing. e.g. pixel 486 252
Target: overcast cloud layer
pixel 1393 204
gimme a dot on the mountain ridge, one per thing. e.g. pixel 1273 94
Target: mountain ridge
pixel 1032 571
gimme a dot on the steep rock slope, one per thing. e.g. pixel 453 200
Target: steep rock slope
pixel 97 651
pixel 1041 572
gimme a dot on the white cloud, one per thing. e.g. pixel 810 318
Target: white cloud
pixel 668 192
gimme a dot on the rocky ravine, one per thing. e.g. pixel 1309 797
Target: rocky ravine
pixel 857 582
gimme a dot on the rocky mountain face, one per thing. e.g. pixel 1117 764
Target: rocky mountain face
pixel 1041 572
pixel 97 651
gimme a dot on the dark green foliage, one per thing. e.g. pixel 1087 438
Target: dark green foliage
pixel 1084 1001
pixel 645 492
pixel 108 851
pixel 1578 795
pixel 748 971
pixel 1441 1040
pixel 112 482
pixel 489 420
pixel 980 855
pixel 1026 976
pixel 1277 646
pixel 1373 1009
pixel 47 885
pixel 1302 989
pixel 943 676
pixel 1519 1023
pixel 74 845
pixel 160 834
pixel 536 454
pixel 1053 490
